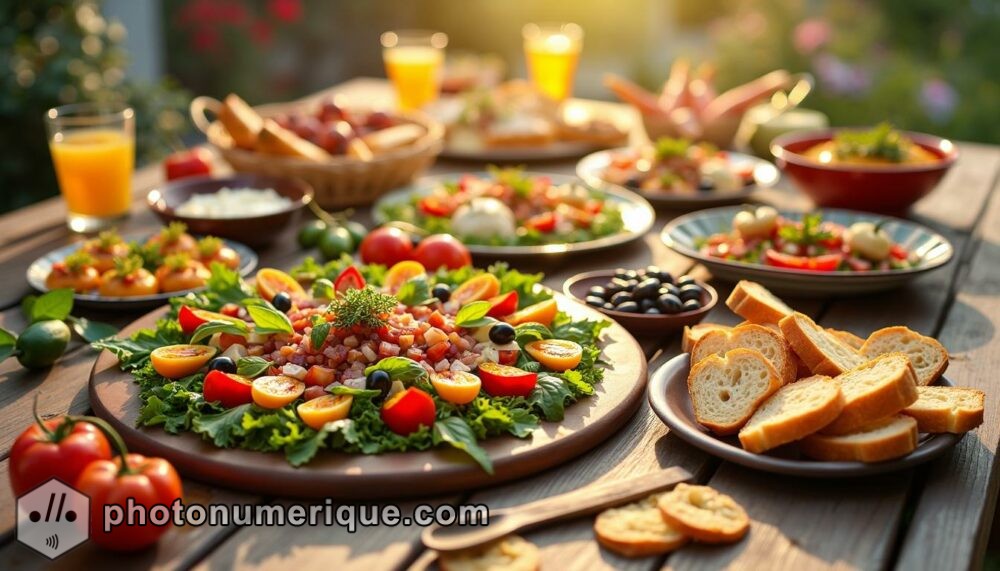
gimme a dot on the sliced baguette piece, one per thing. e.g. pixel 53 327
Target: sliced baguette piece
pixel 695 332
pixel 276 140
pixel 823 353
pixel 756 304
pixel 947 409
pixel 393 137
pixel 704 514
pixel 794 412
pixel 240 120
pixel 513 553
pixel 874 390
pixel 637 529
pixel 928 356
pixel 885 439
pixel 725 391
pixel 762 339
pixel 850 339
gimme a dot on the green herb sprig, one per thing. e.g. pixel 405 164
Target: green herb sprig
pixel 366 307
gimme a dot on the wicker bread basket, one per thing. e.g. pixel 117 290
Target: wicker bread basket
pixel 340 182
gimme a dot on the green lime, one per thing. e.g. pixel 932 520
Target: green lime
pixel 310 234
pixel 41 344
pixel 358 231
pixel 336 241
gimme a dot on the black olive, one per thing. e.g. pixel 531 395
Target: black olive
pixel 684 280
pixel 705 184
pixel 692 305
pixel 630 285
pixel 647 288
pixel 608 305
pixel 646 304
pixel 665 277
pixel 653 311
pixel 621 273
pixel 617 284
pixel 379 380
pixel 442 292
pixel 597 291
pixel 669 303
pixel 224 364
pixel 652 272
pixel 620 297
pixel 595 301
pixel 691 291
pixel 282 301
pixel 628 307
pixel 671 289
pixel 634 181
pixel 502 333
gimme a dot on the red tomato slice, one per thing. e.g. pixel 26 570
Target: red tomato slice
pixel 824 263
pixel 504 381
pixel 898 252
pixel 350 278
pixel 503 304
pixel 545 222
pixel 227 388
pixel 436 206
pixel 190 318
pixel 408 410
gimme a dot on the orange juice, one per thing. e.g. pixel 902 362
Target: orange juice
pixel 415 71
pixel 94 168
pixel 552 56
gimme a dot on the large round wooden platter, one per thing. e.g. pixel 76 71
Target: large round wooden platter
pixel 114 397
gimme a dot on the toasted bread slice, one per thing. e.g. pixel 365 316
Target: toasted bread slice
pixel 695 332
pixel 947 409
pixel 240 120
pixel 885 439
pixel 756 304
pixel 704 514
pixel 512 553
pixel 276 140
pixel 393 137
pixel 874 390
pixel 823 353
pixel 725 391
pixel 850 339
pixel 928 356
pixel 794 412
pixel 770 344
pixel 637 530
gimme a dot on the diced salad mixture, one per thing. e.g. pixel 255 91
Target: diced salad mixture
pixel 762 236
pixel 363 359
pixel 677 166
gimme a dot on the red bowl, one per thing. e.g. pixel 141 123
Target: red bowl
pixel 875 188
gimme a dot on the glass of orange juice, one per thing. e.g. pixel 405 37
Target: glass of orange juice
pixel 93 150
pixel 413 61
pixel 552 51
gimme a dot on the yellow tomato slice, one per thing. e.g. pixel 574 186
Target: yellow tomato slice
pixel 479 288
pixel 542 312
pixel 176 361
pixel 271 281
pixel 327 408
pixel 276 391
pixel 556 354
pixel 400 273
pixel 458 388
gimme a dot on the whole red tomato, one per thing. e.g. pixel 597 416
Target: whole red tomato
pixel 193 162
pixel 147 481
pixel 442 250
pixel 386 245
pixel 58 448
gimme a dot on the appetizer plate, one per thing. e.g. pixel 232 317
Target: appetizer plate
pixel 637 214
pixel 683 233
pixel 114 397
pixel 668 395
pixel 557 150
pixel 765 174
pixel 40 268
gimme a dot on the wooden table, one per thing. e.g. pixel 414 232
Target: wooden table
pixel 935 517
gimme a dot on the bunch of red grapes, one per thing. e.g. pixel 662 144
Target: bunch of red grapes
pixel 332 127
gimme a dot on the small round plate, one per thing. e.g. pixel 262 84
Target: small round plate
pixel 40 268
pixel 668 395
pixel 557 150
pixel 765 175
pixel 683 233
pixel 639 324
pixel 637 215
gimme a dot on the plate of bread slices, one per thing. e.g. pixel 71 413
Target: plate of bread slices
pixel 782 394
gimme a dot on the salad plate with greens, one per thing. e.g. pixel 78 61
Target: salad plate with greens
pixel 345 380
pixel 510 212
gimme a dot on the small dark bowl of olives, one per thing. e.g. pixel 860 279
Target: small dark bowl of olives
pixel 647 302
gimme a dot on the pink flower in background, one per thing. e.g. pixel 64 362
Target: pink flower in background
pixel 810 35
pixel 841 77
pixel 938 98
pixel 286 10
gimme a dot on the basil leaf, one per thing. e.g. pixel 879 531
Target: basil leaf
pixel 474 315
pixel 55 304
pixel 528 332
pixel 354 392
pixel 7 341
pixel 399 369
pixel 269 320
pixel 318 335
pixel 251 366
pixel 523 422
pixel 27 302
pixel 92 331
pixel 456 432
pixel 415 291
pixel 206 330
pixel 549 396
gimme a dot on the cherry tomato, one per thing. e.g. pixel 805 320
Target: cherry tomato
pixel 508 356
pixel 400 273
pixel 545 222
pixel 146 481
pixel 556 354
pixel 505 381
pixel 191 317
pixel 328 408
pixel 824 263
pixel 442 250
pixel 457 387
pixel 503 304
pixel 898 252
pixel 228 389
pixel 386 246
pixel 58 448
pixel 176 361
pixel 276 391
pixel 271 281
pixel 542 312
pixel 406 411
pixel 193 162
pixel 436 206
pixel 349 278
pixel 481 287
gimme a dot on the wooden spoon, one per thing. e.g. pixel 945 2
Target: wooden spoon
pixel 586 500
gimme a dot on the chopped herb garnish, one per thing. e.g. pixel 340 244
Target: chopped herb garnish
pixel 366 307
